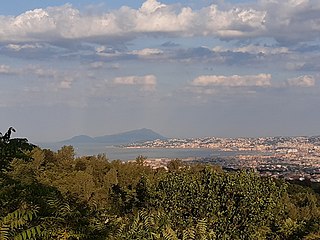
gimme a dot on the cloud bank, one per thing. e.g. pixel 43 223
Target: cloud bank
pixel 284 20
pixel 302 81
pixel 260 80
pixel 147 83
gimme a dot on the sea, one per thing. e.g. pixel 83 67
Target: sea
pixel 125 154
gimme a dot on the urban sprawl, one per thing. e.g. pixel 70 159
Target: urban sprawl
pixel 291 158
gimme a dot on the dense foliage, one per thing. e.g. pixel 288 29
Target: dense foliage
pixel 55 195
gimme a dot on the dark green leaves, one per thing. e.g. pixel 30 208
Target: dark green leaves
pixel 13 148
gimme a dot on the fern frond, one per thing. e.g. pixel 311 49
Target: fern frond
pixel 202 227
pixel 169 234
pixel 189 234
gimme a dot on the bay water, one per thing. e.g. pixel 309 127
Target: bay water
pixel 125 154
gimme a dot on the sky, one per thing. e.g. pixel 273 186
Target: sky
pixel 193 68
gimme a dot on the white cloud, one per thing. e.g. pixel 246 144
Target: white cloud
pixel 5 69
pixel 66 22
pixel 147 52
pixel 100 49
pixel 29 70
pixel 48 24
pixel 292 20
pixel 65 84
pixel 302 81
pixel 141 53
pixel 151 6
pixel 154 17
pixel 284 20
pixel 260 80
pixel 231 23
pixel 147 83
pixel 254 49
pixel 19 47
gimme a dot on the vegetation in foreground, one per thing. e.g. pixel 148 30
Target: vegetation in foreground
pixel 55 195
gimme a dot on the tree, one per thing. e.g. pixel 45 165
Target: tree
pixel 140 160
pixel 236 205
pixel 11 148
pixel 175 165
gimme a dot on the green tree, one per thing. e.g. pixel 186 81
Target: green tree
pixel 236 205
pixel 175 165
pixel 140 160
pixel 11 148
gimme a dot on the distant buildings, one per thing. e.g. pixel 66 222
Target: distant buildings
pixel 280 157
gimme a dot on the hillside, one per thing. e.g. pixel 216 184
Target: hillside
pixel 139 135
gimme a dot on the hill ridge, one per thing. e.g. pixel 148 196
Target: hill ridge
pixel 137 135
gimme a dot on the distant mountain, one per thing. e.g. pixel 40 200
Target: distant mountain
pixel 81 139
pixel 140 135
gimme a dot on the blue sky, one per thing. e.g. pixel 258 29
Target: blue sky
pixel 182 68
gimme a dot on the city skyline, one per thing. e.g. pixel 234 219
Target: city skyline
pixel 183 69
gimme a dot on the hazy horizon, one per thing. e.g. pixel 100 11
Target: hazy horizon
pixel 232 68
pixel 169 137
